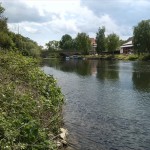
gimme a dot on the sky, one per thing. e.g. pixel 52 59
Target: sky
pixel 47 20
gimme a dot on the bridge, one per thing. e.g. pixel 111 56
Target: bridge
pixel 68 53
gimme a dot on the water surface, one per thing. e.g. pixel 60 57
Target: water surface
pixel 107 103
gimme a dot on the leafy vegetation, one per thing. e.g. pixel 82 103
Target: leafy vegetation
pixel 83 43
pixel 112 42
pixel 100 40
pixel 144 57
pixel 53 46
pixel 30 100
pixel 30 104
pixel 141 37
pixel 16 42
pixel 66 42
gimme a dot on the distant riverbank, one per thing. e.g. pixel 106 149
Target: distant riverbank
pixel 143 57
pixel 119 57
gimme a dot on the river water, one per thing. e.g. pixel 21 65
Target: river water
pixel 107 103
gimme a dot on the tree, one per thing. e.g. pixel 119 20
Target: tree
pixel 83 43
pixel 5 40
pixel 1 10
pixel 25 45
pixel 52 45
pixel 3 20
pixel 66 42
pixel 100 40
pixel 141 37
pixel 74 44
pixel 12 41
pixel 112 42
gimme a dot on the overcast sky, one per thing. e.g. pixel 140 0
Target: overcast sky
pixel 46 20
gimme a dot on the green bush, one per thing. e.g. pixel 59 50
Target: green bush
pixel 30 106
pixel 144 57
pixel 120 57
pixel 132 57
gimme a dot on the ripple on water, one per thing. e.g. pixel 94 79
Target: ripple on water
pixel 107 111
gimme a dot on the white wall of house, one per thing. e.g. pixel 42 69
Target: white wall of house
pixel 126 47
pixel 121 51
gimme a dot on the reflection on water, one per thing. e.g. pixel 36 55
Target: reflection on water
pixel 107 70
pixel 108 103
pixel 141 76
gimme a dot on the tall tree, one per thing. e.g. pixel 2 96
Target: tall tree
pixel 83 43
pixel 3 20
pixel 112 42
pixel 141 37
pixel 52 45
pixel 5 40
pixel 66 42
pixel 100 40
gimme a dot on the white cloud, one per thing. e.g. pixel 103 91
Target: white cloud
pixel 30 29
pixel 44 20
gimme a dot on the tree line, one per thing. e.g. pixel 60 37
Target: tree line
pixel 82 43
pixel 16 42
pixel 110 43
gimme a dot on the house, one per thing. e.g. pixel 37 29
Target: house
pixel 93 46
pixel 127 48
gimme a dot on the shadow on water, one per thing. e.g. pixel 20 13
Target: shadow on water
pixel 107 106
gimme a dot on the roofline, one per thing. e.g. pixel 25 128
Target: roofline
pixel 126 46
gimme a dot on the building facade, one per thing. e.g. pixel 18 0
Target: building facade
pixel 93 46
pixel 127 48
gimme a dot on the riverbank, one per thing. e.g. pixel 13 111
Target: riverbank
pixel 31 104
pixel 132 57
pixel 119 57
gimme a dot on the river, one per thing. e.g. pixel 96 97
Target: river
pixel 107 103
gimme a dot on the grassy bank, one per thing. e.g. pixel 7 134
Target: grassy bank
pixel 30 105
pixel 144 57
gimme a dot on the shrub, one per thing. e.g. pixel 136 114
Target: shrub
pixel 132 57
pixel 144 57
pixel 120 57
pixel 30 104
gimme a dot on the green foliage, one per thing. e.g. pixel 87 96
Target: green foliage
pixel 132 57
pixel 112 42
pixel 5 41
pixel 1 10
pixel 100 40
pixel 83 43
pixel 141 37
pixel 12 41
pixel 52 45
pixel 30 104
pixel 66 42
pixel 25 45
pixel 144 57
pixel 3 20
pixel 3 24
pixel 127 57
